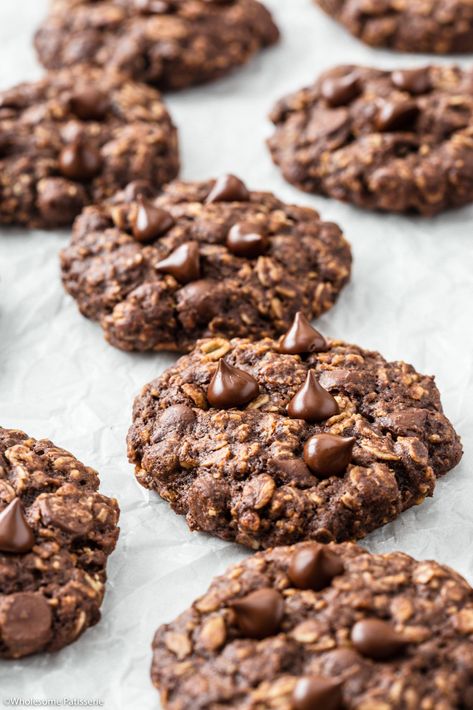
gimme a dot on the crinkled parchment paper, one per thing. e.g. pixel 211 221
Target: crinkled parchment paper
pixel 411 297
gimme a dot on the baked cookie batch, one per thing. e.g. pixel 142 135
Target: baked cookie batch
pixel 264 432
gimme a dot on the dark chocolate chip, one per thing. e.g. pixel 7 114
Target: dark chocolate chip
pixel 397 115
pixel 312 402
pixel 414 81
pixel 244 240
pixel 136 189
pixel 177 417
pixel 377 639
pixel 341 90
pixel 313 567
pixel 228 189
pixel 317 693
pixel 80 161
pixel 260 613
pixel 231 387
pixel 199 299
pixel 183 263
pixel 89 104
pixel 15 534
pixel 328 454
pixel 302 338
pixel 150 222
pixel 26 623
pixel 57 202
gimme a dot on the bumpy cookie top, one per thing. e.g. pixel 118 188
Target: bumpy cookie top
pixel 204 258
pixel 441 26
pixel 169 43
pixel 234 436
pixel 56 532
pixel 76 136
pixel 397 141
pixel 334 627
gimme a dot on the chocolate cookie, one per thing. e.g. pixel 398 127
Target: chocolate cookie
pixel 77 136
pixel 330 627
pixel 168 43
pixel 440 26
pixel 203 258
pixel 399 141
pixel 56 532
pixel 273 442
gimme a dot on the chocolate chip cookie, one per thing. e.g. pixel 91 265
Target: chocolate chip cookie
pixel 273 442
pixel 56 533
pixel 201 259
pixel 76 136
pixel 330 627
pixel 168 43
pixel 399 141
pixel 440 26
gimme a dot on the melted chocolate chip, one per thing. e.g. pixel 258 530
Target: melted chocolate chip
pixel 314 692
pixel 328 454
pixel 15 534
pixel 183 263
pixel 313 567
pixel 89 104
pixel 312 402
pixel 397 115
pixel 260 613
pixel 231 387
pixel 302 338
pixel 243 240
pixel 27 622
pixel 339 91
pixel 377 639
pixel 80 161
pixel 228 189
pixel 414 81
pixel 150 222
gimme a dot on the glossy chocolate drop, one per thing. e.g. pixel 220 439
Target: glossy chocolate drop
pixel 89 104
pixel 231 387
pixel 260 613
pixel 228 189
pixel 243 240
pixel 183 263
pixel 339 91
pixel 149 222
pixel 80 161
pixel 302 338
pixel 414 81
pixel 312 402
pixel 317 693
pixel 15 534
pixel 377 639
pixel 314 566
pixel 397 115
pixel 328 454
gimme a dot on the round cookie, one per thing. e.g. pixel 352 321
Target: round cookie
pixel 202 259
pixel 168 43
pixel 78 136
pixel 399 141
pixel 439 26
pixel 330 627
pixel 56 533
pixel 255 443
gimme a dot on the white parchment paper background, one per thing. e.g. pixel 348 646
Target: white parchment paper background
pixel 411 297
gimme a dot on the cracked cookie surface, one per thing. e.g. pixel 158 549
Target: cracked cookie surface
pixel 75 137
pixel 398 141
pixel 439 26
pixel 56 533
pixel 300 262
pixel 244 473
pixel 168 43
pixel 204 659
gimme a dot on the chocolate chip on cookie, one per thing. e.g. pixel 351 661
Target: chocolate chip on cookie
pixel 203 259
pixel 56 533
